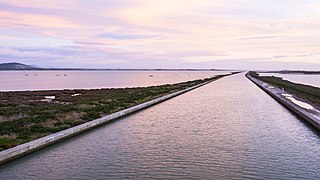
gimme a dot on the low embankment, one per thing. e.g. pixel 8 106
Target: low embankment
pixel 31 146
pixel 297 105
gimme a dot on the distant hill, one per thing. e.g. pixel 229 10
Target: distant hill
pixel 16 66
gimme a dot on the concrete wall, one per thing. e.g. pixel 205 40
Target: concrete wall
pixel 31 146
pixel 313 118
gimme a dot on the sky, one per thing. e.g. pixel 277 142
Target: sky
pixel 225 34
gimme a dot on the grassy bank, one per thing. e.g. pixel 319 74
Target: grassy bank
pixel 309 93
pixel 28 115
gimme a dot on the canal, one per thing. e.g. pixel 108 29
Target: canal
pixel 228 129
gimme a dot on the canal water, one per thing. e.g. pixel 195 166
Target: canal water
pixel 228 129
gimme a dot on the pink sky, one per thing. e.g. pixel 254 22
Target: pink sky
pixel 232 34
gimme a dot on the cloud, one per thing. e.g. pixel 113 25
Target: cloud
pixel 144 33
pixel 280 56
pixel 259 37
pixel 69 56
pixel 297 55
pixel 126 36
pixel 91 43
pixel 305 55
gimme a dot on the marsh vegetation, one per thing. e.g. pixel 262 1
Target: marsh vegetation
pixel 28 115
pixel 309 93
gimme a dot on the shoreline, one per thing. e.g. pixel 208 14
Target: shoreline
pixel 310 116
pixel 81 69
pixel 29 115
pixel 31 146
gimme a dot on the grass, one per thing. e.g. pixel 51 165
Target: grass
pixel 309 93
pixel 25 116
pixel 6 143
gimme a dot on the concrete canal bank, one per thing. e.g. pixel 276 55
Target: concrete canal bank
pixel 31 146
pixel 308 113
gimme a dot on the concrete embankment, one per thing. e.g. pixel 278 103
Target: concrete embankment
pixel 310 115
pixel 31 146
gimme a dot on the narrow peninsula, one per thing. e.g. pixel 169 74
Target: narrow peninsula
pixel 29 115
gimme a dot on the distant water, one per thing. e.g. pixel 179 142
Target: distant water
pixel 228 129
pixel 313 80
pixel 49 80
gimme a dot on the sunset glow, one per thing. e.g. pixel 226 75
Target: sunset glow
pixel 229 34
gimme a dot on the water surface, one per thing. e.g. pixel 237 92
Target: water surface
pixel 308 79
pixel 228 129
pixel 49 80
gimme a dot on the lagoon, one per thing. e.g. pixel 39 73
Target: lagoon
pixel 57 80
pixel 228 129
pixel 307 79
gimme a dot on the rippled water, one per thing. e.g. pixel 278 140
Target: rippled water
pixel 228 129
pixel 313 80
pixel 48 80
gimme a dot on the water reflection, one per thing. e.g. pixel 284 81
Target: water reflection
pixel 312 80
pixel 48 80
pixel 299 103
pixel 229 129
